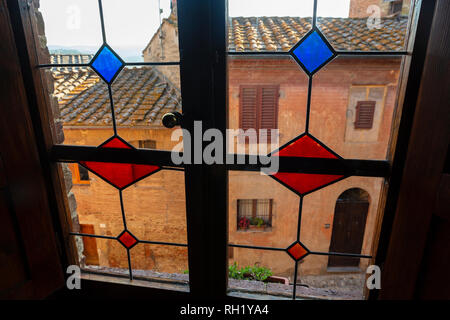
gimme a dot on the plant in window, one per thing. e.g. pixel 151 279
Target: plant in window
pixel 244 223
pixel 257 223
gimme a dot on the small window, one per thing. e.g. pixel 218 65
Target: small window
pixel 80 175
pixel 365 111
pixel 254 214
pixel 396 7
pixel 147 144
pixel 84 173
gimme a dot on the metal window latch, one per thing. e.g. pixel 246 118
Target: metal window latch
pixel 172 119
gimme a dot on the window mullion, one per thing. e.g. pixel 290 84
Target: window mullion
pixel 202 24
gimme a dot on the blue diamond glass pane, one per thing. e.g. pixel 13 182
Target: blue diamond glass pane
pixel 312 52
pixel 107 64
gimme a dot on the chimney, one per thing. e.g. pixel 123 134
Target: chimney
pixel 358 8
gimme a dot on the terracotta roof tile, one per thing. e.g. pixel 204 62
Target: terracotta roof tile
pixel 141 97
pixel 282 33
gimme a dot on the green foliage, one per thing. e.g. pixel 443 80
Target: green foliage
pixel 249 272
pixel 256 221
pixel 186 271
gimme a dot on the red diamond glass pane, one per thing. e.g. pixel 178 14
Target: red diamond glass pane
pixel 302 183
pixel 119 175
pixel 115 143
pixel 305 182
pixel 297 251
pixel 305 147
pixel 127 239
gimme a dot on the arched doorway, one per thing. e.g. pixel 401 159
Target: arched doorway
pixel 349 223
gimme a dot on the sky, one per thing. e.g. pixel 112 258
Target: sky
pixel 131 23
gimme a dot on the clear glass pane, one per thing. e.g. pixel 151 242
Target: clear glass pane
pixel 152 209
pixel 138 31
pixel 165 266
pixel 156 207
pixel 83 104
pixel 142 95
pixel 265 25
pixel 72 30
pixel 319 212
pixel 280 218
pixel 260 274
pixel 336 91
pixel 361 25
pixel 291 97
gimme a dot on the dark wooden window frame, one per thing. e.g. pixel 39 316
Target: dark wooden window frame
pixel 203 77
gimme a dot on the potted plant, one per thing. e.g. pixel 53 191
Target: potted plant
pixel 257 223
pixel 243 223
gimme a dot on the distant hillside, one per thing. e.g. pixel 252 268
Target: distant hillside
pixel 64 51
pixel 129 54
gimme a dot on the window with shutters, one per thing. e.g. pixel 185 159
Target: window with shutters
pixel 254 214
pixel 365 111
pixel 259 109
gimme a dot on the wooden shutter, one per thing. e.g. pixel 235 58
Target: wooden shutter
pixel 268 111
pixel 365 111
pixel 258 107
pixel 248 107
pixel 30 262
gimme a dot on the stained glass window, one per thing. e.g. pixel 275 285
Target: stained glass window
pixel 130 87
pixel 266 48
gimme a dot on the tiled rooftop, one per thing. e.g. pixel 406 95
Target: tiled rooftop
pixel 282 33
pixel 70 58
pixel 141 97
